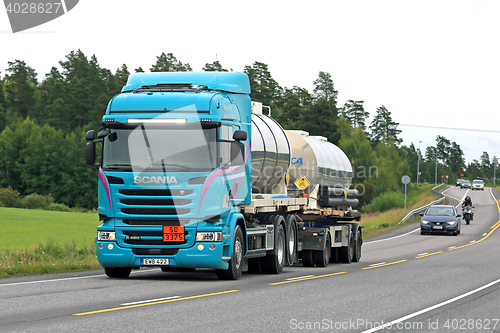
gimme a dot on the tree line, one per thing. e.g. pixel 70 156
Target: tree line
pixel 43 127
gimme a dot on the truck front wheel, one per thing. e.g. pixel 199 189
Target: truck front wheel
pixel 117 272
pixel 346 253
pixel 273 264
pixel 322 257
pixel 236 262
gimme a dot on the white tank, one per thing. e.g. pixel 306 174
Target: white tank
pixel 295 157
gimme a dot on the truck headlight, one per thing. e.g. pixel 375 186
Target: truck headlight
pixel 106 235
pixel 209 236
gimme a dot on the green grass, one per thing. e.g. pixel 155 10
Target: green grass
pixel 39 241
pixel 25 228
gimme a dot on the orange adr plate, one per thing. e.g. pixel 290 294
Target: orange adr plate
pixel 173 233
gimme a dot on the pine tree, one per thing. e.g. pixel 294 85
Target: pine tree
pixel 355 113
pixel 20 87
pixel 214 67
pixel 323 112
pixel 382 127
pixel 264 88
pixel 169 63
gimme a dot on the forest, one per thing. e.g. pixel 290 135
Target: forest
pixel 43 127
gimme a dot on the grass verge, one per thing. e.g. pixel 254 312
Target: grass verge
pixel 377 223
pixel 38 241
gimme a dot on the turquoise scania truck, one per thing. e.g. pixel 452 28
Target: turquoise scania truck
pixel 193 174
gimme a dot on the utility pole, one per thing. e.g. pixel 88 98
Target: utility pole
pixel 418 161
pixel 494 170
pixel 436 173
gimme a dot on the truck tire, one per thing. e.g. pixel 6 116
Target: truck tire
pixel 117 272
pixel 358 242
pixel 236 262
pixel 291 239
pixel 273 264
pixel 346 253
pixel 307 258
pixel 322 257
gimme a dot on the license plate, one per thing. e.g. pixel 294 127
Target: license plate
pixel 173 233
pixel 438 227
pixel 154 261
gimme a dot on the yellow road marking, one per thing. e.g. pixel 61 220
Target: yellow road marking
pixel 478 241
pixel 153 303
pixel 493 228
pixel 307 278
pixel 390 263
pixel 428 254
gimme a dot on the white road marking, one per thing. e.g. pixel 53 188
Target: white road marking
pixel 150 300
pixel 300 277
pixel 392 323
pixel 380 240
pixel 380 263
pixel 65 279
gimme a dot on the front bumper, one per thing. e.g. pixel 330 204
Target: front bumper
pixel 434 229
pixel 193 257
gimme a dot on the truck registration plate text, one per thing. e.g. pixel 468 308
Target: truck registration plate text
pixel 173 233
pixel 154 261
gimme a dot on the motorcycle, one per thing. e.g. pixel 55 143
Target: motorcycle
pixel 467 214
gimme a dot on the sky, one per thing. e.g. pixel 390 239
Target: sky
pixel 435 65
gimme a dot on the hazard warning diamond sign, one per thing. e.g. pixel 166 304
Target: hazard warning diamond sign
pixel 302 183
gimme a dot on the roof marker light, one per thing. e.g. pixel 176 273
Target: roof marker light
pixel 157 121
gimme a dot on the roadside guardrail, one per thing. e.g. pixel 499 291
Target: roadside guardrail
pixel 411 215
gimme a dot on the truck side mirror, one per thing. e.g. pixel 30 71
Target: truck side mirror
pixel 102 134
pixel 240 135
pixel 90 135
pixel 90 153
pixel 237 153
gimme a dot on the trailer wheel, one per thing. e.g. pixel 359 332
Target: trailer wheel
pixel 307 258
pixel 291 239
pixel 322 257
pixel 273 264
pixel 346 253
pixel 357 243
pixel 236 262
pixel 117 272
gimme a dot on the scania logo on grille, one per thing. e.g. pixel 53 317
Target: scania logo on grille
pixel 154 180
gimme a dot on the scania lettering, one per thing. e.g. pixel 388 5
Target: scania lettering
pixel 156 180
pixel 192 174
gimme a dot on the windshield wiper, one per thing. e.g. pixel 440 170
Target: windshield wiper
pixel 177 165
pixel 121 166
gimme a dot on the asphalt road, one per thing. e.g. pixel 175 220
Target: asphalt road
pixel 405 281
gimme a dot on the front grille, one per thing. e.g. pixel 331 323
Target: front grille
pixel 155 211
pixel 155 202
pixel 152 209
pixel 156 222
pixel 165 193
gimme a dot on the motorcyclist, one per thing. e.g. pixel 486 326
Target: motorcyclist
pixel 468 202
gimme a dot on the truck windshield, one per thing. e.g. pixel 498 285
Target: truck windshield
pixel 157 149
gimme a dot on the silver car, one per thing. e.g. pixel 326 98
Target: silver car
pixel 477 184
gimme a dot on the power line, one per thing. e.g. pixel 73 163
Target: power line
pixel 453 128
